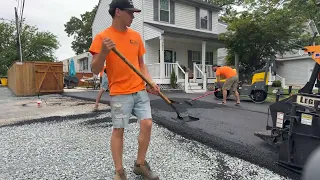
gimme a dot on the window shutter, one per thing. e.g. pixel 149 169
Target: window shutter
pixel 156 10
pixel 197 18
pixel 172 13
pixel 210 20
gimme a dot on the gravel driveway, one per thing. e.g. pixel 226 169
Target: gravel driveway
pixel 78 148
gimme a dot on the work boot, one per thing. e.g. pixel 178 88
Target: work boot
pixel 120 175
pixel 145 171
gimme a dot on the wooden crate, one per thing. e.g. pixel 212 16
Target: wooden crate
pixel 35 77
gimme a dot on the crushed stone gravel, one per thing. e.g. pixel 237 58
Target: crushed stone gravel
pixel 78 148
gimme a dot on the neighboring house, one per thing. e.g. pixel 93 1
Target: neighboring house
pixel 178 35
pixel 82 63
pixel 295 68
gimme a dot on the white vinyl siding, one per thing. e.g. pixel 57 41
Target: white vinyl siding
pixel 152 48
pixel 185 16
pixel 103 19
pixel 295 72
pixel 150 33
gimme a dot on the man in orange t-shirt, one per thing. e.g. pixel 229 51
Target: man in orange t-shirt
pixel 231 82
pixel 127 90
pixel 103 87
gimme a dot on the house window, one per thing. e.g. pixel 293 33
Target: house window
pixel 204 19
pixel 197 57
pixel 209 58
pixel 84 64
pixel 164 10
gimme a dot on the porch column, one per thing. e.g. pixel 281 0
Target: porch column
pixel 204 44
pixel 162 68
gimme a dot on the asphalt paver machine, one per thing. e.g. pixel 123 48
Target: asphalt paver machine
pixel 295 129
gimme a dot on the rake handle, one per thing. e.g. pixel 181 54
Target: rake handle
pixel 140 74
pixel 204 95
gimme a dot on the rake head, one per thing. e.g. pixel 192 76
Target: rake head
pixel 189 102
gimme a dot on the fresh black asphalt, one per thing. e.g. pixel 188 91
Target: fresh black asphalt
pixel 227 128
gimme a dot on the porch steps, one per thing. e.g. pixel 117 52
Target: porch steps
pixel 194 88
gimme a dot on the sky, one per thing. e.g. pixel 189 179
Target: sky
pixel 50 15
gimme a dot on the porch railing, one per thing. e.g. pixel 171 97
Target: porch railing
pixel 154 70
pixel 169 68
pixel 208 71
pixel 197 72
pixel 182 76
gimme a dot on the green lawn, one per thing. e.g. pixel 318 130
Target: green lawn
pixel 272 96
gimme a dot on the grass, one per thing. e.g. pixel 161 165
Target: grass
pixel 272 96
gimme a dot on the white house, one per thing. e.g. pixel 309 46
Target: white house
pixel 296 67
pixel 82 63
pixel 178 34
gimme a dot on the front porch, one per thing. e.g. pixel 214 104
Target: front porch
pixel 191 61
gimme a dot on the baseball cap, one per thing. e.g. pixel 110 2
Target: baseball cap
pixel 123 5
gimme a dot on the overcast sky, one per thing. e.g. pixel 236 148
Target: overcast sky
pixel 50 15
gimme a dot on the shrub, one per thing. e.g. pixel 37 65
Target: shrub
pixel 276 83
pixel 173 80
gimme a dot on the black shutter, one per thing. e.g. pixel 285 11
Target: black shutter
pixel 210 21
pixel 190 63
pixel 172 13
pixel 197 18
pixel 156 10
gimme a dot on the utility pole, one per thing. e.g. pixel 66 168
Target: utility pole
pixel 18 34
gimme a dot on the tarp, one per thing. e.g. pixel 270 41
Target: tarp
pixel 72 69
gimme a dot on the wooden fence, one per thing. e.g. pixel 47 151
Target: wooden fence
pixel 35 77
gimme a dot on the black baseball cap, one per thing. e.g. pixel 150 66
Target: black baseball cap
pixel 123 5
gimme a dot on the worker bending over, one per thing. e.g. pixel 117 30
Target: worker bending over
pixel 231 83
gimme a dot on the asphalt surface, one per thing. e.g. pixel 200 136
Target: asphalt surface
pixel 77 147
pixel 226 128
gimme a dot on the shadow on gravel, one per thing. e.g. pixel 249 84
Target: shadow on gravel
pixel 102 122
pixel 56 119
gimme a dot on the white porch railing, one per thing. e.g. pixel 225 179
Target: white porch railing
pixel 182 76
pixel 154 70
pixel 198 73
pixel 208 71
pixel 168 68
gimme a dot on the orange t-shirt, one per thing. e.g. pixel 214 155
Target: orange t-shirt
pixel 122 79
pixel 226 71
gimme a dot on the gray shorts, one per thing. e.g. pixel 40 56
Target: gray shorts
pixel 104 83
pixel 122 106
pixel 231 83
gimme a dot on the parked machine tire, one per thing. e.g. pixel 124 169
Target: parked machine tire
pixel 219 95
pixel 258 96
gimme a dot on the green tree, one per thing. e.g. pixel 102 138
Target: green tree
pixel 80 29
pixel 265 29
pixel 36 45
